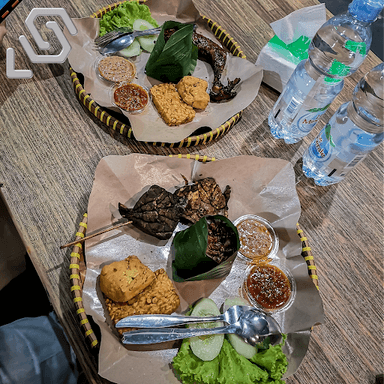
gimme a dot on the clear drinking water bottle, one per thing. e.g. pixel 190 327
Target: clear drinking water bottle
pixel 336 51
pixel 352 132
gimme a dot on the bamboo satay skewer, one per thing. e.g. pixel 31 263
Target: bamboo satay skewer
pixel 95 234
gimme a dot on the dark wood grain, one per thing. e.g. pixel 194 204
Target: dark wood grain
pixel 50 147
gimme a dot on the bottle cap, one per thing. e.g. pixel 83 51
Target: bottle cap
pixel 366 10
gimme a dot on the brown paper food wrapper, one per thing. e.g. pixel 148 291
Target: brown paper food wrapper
pixel 192 291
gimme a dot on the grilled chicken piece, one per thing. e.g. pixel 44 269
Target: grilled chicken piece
pixel 204 197
pixel 157 212
pixel 216 57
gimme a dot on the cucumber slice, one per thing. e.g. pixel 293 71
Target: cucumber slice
pixel 206 347
pixel 146 42
pixel 241 347
pixel 142 25
pixel 234 300
pixel 133 50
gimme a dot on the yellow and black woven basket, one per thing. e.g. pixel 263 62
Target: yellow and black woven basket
pixel 78 266
pixel 115 126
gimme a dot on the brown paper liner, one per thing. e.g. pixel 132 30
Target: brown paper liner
pixel 191 291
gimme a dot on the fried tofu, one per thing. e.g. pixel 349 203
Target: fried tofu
pixel 170 106
pixel 160 297
pixel 193 91
pixel 123 280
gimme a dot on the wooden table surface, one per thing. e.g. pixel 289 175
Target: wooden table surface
pixel 50 147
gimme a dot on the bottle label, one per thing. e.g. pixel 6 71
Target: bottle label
pixel 340 168
pixel 306 122
pixel 323 143
pixel 324 148
pixel 293 106
pixel 357 47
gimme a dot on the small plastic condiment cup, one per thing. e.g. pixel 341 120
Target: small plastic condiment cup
pixel 277 263
pixel 132 112
pixel 101 77
pixel 268 226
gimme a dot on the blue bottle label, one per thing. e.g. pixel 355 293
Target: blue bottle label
pixel 323 144
pixel 306 122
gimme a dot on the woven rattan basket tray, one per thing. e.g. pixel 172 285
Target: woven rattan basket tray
pixel 78 267
pixel 123 128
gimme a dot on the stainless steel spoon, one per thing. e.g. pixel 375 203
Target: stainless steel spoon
pixel 125 41
pixel 161 321
pixel 252 326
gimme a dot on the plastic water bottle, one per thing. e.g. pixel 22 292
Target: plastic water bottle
pixel 305 98
pixel 352 132
pixel 336 51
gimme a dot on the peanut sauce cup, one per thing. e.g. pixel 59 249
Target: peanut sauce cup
pixel 258 239
pixel 129 97
pixel 269 286
pixel 115 69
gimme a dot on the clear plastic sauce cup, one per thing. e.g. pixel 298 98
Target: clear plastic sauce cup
pixel 115 69
pixel 269 286
pixel 258 239
pixel 129 97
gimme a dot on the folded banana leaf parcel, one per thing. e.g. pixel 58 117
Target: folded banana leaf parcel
pixel 175 58
pixel 205 250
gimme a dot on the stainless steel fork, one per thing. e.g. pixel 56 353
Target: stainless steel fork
pixel 108 37
pixel 101 42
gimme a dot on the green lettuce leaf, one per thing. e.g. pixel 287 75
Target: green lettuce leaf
pixel 229 367
pixel 273 360
pixel 236 369
pixel 124 16
pixel 193 370
pixel 176 58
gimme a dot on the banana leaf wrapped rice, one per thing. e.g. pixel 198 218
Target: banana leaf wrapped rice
pixel 205 250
